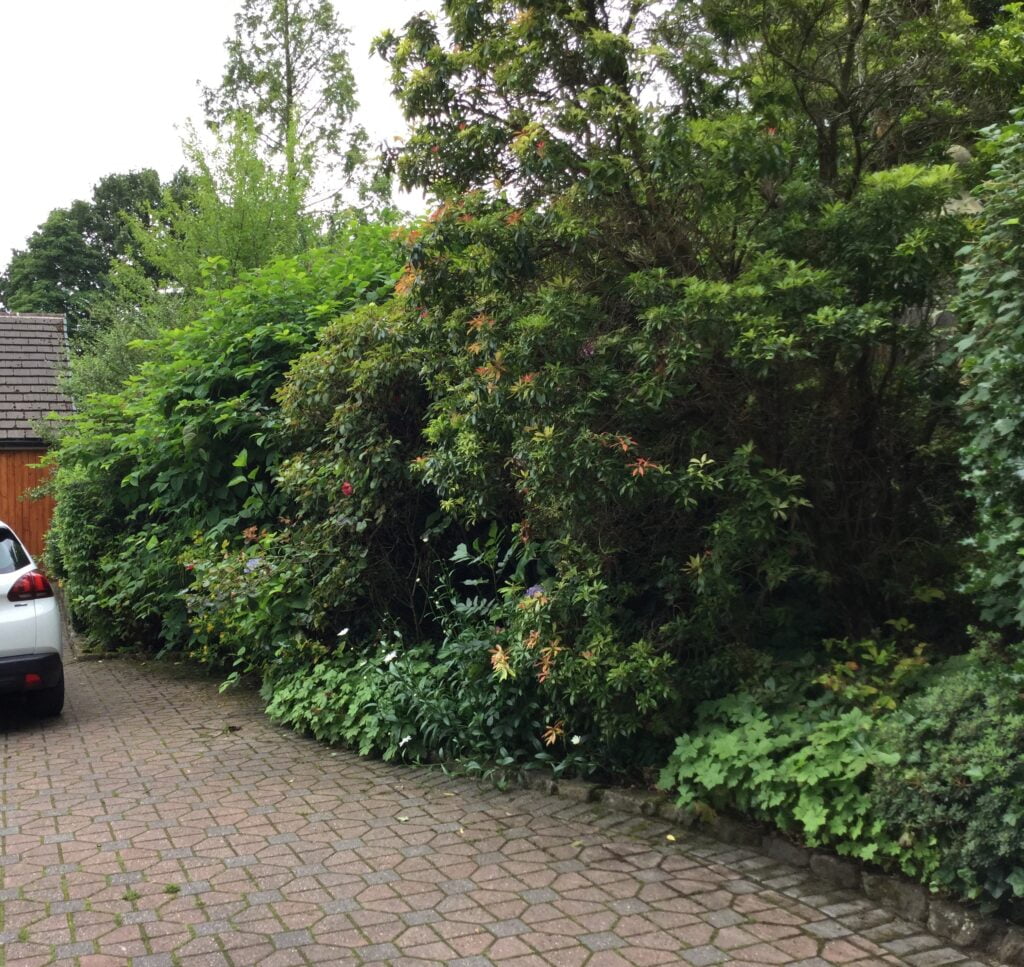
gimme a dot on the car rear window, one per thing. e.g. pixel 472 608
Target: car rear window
pixel 12 554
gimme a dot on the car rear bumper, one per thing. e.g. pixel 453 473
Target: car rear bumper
pixel 29 673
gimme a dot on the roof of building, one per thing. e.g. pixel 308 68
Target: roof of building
pixel 33 353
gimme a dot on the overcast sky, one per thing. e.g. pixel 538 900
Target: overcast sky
pixel 94 87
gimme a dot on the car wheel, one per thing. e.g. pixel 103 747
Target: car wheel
pixel 50 702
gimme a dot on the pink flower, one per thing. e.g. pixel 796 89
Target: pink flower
pixel 347 489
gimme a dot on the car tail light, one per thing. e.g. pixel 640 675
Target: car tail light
pixel 29 587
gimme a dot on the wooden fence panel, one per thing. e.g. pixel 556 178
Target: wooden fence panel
pixel 29 518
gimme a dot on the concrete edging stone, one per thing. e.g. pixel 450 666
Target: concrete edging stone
pixel 953 921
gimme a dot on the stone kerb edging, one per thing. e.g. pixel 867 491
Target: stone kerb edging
pixel 952 921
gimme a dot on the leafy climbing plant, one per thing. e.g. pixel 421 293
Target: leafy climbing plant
pixel 991 356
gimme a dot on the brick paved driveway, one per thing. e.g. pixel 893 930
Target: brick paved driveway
pixel 159 823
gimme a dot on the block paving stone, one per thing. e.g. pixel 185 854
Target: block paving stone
pixel 159 823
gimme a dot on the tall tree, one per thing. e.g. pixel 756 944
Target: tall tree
pixel 238 214
pixel 288 70
pixel 868 84
pixel 65 265
pixel 530 96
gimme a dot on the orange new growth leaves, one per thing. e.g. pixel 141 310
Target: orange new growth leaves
pixel 405 283
pixel 553 733
pixel 548 655
pixel 500 663
pixel 641 465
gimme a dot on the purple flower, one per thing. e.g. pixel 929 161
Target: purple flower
pixel 534 592
pixel 252 564
pixel 588 349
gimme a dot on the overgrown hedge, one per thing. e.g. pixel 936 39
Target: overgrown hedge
pixel 674 418
pixel 185 450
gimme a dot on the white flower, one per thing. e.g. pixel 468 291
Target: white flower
pixel 402 742
pixel 576 739
pixel 343 632
pixel 390 657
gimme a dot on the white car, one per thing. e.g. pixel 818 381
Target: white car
pixel 31 662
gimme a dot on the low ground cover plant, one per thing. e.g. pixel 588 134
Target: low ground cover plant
pixel 929 786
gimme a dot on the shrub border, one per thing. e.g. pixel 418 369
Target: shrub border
pixel 949 919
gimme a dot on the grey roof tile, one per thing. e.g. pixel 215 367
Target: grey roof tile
pixel 33 353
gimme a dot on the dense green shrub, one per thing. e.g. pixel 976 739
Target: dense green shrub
pixel 438 701
pixel 700 461
pixel 953 801
pixel 660 403
pixel 728 462
pixel 188 445
pixel 415 702
pixel 992 302
pixel 246 602
pixel 348 699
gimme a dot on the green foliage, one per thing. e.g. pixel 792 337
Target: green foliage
pixel 954 801
pixel 430 701
pixel 930 786
pixel 661 403
pixel 806 768
pixel 537 98
pixel 246 603
pixel 800 757
pixel 239 214
pixel 121 331
pixel 288 70
pixel 89 519
pixel 596 688
pixel 459 710
pixel 412 702
pixel 675 411
pixel 351 412
pixel 58 271
pixel 992 359
pixel 715 447
pixel 66 266
pixel 188 445
pixel 862 86
pixel 346 700
pixel 874 674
